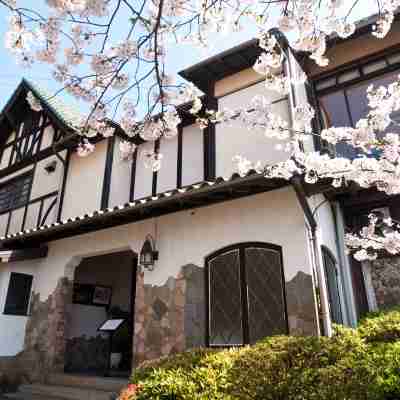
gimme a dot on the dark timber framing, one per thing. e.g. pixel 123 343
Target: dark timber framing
pixel 193 196
pixel 243 286
pixel 105 195
pixel 64 184
pixel 155 173
pixel 179 157
pixel 133 175
pixel 209 138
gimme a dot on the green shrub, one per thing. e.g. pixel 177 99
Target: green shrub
pixel 361 364
pixel 383 326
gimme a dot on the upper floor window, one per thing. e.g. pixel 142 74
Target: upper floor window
pixel 15 193
pixel 246 297
pixel 343 97
pixel 18 294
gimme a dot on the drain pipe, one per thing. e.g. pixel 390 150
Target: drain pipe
pixel 317 254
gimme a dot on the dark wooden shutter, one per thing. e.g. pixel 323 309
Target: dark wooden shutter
pixel 18 295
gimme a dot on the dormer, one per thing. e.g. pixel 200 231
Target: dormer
pixel 229 81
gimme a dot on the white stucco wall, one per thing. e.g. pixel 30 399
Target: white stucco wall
pixel 183 238
pixel 189 236
pixel 120 178
pixel 5 158
pixel 192 155
pixel 84 182
pixel 44 182
pixel 12 327
pixel 167 175
pixel 326 223
pixel 144 176
pixel 234 138
pixel 48 137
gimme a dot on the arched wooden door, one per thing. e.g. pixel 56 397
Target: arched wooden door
pixel 245 294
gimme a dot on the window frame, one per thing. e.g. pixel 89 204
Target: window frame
pixel 328 255
pixel 12 181
pixel 27 298
pixel 241 247
pixel 363 77
pixel 358 65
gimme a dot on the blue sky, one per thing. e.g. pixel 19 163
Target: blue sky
pixel 178 57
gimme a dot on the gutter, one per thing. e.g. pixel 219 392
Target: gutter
pixel 317 255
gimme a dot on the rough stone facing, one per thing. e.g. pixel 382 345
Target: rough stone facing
pixel 86 354
pixel 169 318
pixel 300 304
pixel 44 346
pixel 385 275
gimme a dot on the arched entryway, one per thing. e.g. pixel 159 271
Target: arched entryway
pixel 103 288
pixel 245 294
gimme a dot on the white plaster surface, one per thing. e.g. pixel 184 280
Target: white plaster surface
pixel 192 155
pixel 144 176
pixel 120 178
pixel 12 327
pixel 234 138
pixel 183 238
pixel 84 182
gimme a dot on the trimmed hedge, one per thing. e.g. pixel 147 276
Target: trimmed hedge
pixel 354 364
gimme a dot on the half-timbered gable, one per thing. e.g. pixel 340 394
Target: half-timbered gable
pixel 32 170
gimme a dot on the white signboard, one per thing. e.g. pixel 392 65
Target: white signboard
pixel 111 325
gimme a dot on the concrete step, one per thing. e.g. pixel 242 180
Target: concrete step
pixel 92 382
pixel 26 396
pixel 65 392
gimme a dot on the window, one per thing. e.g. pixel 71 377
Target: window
pixel 332 282
pixel 347 106
pixel 19 291
pixel 15 193
pixel 246 298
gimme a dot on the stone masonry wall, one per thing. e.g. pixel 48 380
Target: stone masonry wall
pixel 300 305
pixel 44 346
pixel 169 318
pixel 385 276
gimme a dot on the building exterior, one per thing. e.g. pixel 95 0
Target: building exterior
pixel 239 258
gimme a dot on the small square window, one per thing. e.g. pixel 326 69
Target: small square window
pixel 394 58
pixel 18 294
pixel 375 66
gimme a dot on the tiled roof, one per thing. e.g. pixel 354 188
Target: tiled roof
pixel 67 114
pixel 192 196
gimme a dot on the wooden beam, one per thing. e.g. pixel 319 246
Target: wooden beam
pixel 24 254
pixel 107 173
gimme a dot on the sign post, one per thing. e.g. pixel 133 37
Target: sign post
pixel 110 326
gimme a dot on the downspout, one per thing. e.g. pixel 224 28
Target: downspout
pixel 301 196
pixel 317 255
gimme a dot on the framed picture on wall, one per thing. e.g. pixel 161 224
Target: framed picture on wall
pixel 102 295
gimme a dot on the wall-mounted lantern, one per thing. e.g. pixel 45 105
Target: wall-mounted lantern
pixel 148 254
